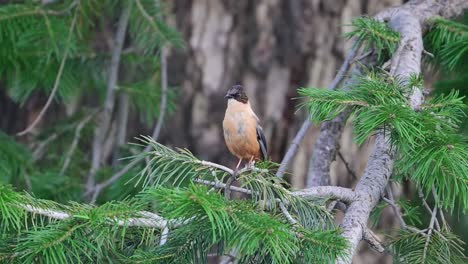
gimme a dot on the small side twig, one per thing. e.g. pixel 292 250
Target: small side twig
pixel 286 213
pixel 372 239
pixel 348 167
pixel 75 141
pixel 230 180
pixel 441 211
pixel 220 185
pixel 39 151
pixel 396 208
pixel 426 205
pixel 429 233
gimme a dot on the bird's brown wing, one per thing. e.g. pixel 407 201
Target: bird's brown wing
pixel 262 142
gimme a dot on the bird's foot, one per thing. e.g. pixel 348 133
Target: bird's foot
pixel 251 164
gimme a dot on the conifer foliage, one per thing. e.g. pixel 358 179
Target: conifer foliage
pixel 174 208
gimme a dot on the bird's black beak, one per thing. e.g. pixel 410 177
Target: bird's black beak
pixel 228 96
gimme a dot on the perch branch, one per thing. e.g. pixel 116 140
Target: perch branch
pixel 148 219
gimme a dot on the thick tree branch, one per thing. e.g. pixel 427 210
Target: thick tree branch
pixel 333 192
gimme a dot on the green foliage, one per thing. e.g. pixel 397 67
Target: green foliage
pixel 411 213
pixel 15 159
pixel 448 41
pixel 323 246
pixel 431 152
pixel 236 225
pixel 143 96
pixel 442 247
pixel 375 35
pixel 148 29
pixel 169 167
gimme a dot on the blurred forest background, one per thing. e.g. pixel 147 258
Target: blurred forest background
pixel 105 83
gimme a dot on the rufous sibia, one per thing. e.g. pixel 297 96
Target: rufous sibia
pixel 242 132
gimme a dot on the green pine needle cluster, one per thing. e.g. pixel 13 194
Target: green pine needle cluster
pixel 375 35
pixel 440 247
pixel 448 41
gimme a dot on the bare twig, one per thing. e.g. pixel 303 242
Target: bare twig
pixel 217 166
pixel 395 206
pixel 429 233
pixel 76 138
pixel 426 205
pixel 56 83
pixel 308 123
pixel 220 185
pixel 333 192
pixel 372 239
pixel 230 180
pixel 441 211
pixel 164 86
pixel 428 53
pixel 286 213
pixel 122 123
pixel 348 167
pixel 101 129
pixel 39 151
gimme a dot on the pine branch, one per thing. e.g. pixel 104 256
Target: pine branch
pixel 98 188
pixel 148 219
pixel 56 84
pixel 105 118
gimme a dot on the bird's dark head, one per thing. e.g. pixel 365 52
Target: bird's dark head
pixel 237 93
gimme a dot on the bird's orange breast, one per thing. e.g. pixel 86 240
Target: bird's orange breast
pixel 240 131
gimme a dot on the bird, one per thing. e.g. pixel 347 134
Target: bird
pixel 242 133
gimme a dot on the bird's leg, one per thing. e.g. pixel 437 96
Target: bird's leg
pixel 238 164
pixel 252 162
